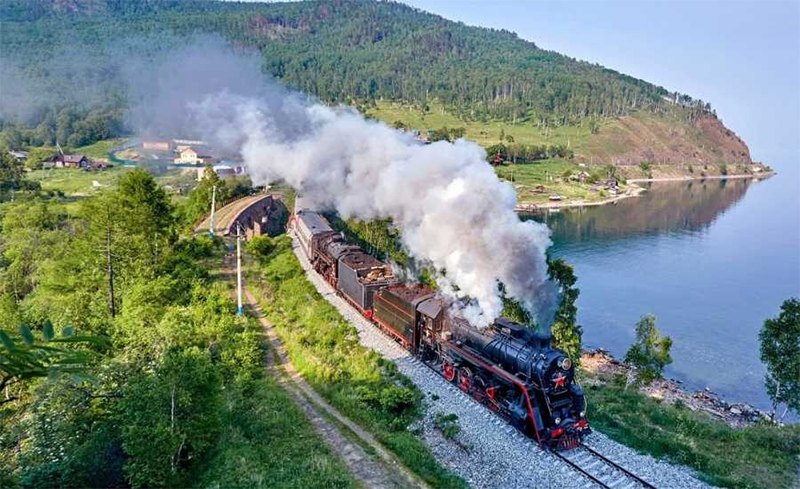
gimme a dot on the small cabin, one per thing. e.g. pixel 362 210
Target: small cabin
pixel 68 161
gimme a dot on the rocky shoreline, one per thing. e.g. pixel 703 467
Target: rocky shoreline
pixel 603 365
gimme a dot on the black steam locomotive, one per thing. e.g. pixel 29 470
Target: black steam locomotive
pixel 508 368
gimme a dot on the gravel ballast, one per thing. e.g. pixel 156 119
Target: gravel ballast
pixel 487 452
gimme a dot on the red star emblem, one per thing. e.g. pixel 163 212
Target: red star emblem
pixel 560 380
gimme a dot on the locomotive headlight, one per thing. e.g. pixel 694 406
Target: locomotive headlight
pixel 583 414
pixel 565 363
pixel 558 421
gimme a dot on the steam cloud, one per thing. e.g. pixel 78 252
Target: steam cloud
pixel 450 207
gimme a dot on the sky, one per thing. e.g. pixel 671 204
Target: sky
pixel 741 56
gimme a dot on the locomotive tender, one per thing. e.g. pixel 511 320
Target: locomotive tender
pixel 508 368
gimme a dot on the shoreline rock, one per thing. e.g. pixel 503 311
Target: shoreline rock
pixel 734 414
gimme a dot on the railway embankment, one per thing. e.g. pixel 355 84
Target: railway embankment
pixel 486 452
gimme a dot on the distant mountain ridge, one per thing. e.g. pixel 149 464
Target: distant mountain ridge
pixel 361 51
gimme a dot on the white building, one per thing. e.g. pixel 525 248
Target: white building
pixel 192 156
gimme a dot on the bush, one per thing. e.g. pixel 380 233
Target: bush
pixel 645 166
pixel 395 399
pixel 260 246
pixel 447 424
pixel 171 418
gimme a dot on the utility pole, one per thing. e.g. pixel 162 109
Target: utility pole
pixel 213 204
pixel 239 269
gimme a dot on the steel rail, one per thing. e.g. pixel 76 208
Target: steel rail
pixel 618 467
pixel 580 469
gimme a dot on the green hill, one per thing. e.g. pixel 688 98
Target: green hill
pixel 376 55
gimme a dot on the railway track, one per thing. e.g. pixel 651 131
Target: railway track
pixel 584 460
pixel 600 470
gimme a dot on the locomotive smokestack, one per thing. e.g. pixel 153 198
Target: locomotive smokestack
pixel 451 209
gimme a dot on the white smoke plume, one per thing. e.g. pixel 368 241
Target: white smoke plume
pixel 449 205
pixel 451 209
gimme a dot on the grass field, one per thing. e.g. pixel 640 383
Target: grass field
pixel 525 177
pixel 76 185
pixel 761 456
pixel 550 174
pixel 485 134
pixel 98 150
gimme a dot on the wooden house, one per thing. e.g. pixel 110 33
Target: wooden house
pixel 69 161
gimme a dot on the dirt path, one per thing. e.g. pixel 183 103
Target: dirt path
pixel 381 470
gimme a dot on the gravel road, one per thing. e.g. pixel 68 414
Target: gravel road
pixel 487 452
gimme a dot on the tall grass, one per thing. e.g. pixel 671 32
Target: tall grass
pixel 358 382
pixel 268 442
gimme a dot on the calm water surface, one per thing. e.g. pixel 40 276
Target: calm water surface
pixel 710 259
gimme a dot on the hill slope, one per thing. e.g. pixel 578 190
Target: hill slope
pixel 368 52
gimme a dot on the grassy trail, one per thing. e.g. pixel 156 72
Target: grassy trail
pixel 367 460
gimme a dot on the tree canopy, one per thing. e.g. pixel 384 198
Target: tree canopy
pixel 339 51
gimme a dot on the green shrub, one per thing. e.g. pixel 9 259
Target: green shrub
pixel 447 424
pixel 395 399
pixel 260 246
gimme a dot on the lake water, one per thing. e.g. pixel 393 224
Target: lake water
pixel 710 259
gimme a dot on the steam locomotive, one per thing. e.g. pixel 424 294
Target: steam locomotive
pixel 513 371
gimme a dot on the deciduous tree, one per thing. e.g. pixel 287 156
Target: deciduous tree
pixel 649 354
pixel 780 351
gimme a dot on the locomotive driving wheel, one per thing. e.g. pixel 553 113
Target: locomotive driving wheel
pixel 479 388
pixel 448 370
pixel 464 379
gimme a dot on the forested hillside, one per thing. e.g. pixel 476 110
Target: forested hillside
pixel 356 52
